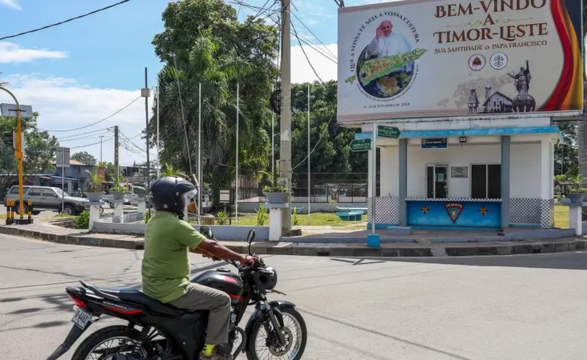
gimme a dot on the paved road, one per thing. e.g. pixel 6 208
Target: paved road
pixel 520 307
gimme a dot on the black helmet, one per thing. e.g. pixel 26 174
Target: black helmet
pixel 268 278
pixel 168 194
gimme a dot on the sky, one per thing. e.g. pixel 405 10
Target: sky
pixel 83 71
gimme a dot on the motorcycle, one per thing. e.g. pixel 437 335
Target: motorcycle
pixel 157 331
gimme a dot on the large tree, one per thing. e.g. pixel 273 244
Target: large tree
pixel 204 43
pixel 40 148
pixel 84 157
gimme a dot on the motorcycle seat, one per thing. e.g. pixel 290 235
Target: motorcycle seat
pixel 137 297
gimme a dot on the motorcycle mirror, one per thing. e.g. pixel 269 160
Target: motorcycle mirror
pixel 250 238
pixel 207 232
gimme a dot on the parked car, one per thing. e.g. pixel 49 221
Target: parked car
pixel 47 198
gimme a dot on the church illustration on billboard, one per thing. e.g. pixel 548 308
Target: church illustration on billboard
pixel 498 102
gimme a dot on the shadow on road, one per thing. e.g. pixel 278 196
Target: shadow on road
pixel 375 332
pixel 562 261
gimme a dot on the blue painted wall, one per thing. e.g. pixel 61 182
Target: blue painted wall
pixel 472 214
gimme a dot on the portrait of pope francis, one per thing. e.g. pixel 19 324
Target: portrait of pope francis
pixel 386 42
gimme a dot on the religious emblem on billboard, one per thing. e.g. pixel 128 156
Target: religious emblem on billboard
pixel 386 66
pixel 477 62
pixel 454 209
pixel 498 61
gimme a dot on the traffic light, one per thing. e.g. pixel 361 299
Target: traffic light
pixel 8 139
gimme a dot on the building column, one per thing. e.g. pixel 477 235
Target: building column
pixel 369 175
pixel 505 181
pixel 403 182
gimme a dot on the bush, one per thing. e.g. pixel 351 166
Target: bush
pixel 82 221
pixel 222 218
pixel 261 215
pixel 294 216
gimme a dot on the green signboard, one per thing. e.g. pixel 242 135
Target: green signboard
pixel 388 132
pixel 361 145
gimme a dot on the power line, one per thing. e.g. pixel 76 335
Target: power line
pixel 316 36
pixel 80 138
pixel 85 133
pixel 304 51
pixel 97 122
pixel 96 143
pixel 64 21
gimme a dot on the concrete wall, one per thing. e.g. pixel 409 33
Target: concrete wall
pixel 531 170
pixel 221 232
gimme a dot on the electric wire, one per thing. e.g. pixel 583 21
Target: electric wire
pixel 64 21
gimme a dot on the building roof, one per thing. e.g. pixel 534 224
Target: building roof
pixel 496 93
pixel 74 162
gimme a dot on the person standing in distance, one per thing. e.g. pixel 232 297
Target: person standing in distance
pixel 166 263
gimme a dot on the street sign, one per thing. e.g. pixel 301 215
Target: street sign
pixel 388 132
pixel 9 110
pixel 361 145
pixel 62 157
pixel 438 143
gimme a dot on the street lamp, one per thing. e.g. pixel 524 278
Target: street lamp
pixel 5 111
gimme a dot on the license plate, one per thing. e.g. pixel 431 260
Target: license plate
pixel 81 318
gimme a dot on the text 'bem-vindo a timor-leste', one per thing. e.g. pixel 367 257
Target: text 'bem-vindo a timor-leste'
pixel 491 28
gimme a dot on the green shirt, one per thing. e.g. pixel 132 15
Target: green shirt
pixel 166 262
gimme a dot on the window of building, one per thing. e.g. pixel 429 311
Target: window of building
pixel 486 181
pixel 437 181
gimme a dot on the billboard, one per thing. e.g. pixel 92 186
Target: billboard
pixel 438 58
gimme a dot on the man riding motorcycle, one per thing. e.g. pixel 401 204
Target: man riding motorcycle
pixel 166 264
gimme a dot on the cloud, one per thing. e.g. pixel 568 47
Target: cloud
pixel 66 104
pixel 11 3
pixel 13 53
pixel 301 70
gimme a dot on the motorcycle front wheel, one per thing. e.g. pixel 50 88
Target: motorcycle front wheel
pixel 263 343
pixel 110 341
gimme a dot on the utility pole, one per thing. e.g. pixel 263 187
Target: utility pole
pixel 146 93
pixel 285 139
pixel 101 136
pixel 116 166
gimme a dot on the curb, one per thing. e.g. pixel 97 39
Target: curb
pixel 302 250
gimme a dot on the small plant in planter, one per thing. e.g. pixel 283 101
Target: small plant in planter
pixel 94 191
pixel 276 192
pixel 577 190
pixel 118 189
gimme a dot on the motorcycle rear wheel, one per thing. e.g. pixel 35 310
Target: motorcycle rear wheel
pixel 291 318
pixel 92 342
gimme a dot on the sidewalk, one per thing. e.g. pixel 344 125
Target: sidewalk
pixel 423 247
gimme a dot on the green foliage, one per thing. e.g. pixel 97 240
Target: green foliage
pixel 109 170
pixel 95 184
pixel 275 183
pixel 170 171
pixel 222 218
pixel 566 154
pixel 82 221
pixel 332 206
pixel 294 217
pixel 84 157
pixel 577 185
pixel 261 215
pixel 332 152
pixel 40 148
pixel 212 48
pixel 118 184
pixel 147 216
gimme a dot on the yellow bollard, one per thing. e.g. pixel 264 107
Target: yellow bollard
pixel 12 210
pixel 30 208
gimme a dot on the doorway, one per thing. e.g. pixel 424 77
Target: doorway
pixel 437 181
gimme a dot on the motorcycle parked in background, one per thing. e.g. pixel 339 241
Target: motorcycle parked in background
pixel 156 331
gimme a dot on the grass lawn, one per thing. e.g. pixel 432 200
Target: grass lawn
pixel 317 219
pixel 561 216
